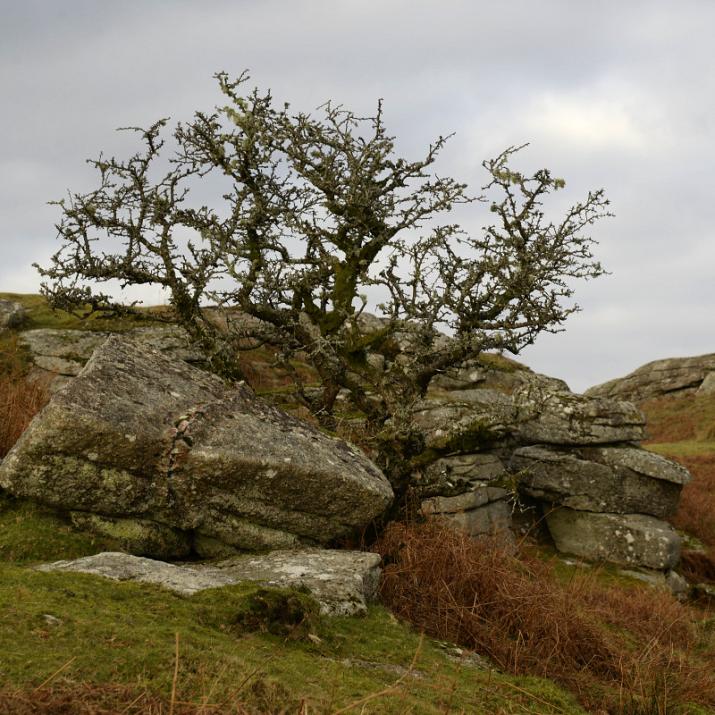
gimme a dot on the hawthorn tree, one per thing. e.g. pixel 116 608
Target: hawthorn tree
pixel 317 213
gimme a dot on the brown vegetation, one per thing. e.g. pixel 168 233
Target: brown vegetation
pixel 696 516
pixel 93 699
pixel 20 401
pixel 625 649
pixel 675 419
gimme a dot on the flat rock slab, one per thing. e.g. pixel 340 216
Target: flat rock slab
pixel 139 435
pixel 460 421
pixel 608 479
pixel 565 418
pixel 343 582
pixel 457 474
pixel 627 539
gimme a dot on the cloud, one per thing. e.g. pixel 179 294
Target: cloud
pixel 611 94
pixel 586 121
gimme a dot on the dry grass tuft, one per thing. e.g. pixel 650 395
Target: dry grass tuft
pixel 20 401
pixel 698 567
pixel 621 649
pixel 696 512
pixel 94 699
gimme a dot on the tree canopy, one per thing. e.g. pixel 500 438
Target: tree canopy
pixel 319 216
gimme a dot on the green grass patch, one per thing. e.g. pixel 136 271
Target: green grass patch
pixel 30 533
pixel 109 632
pixel 40 315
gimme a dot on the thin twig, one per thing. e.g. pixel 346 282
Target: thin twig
pixel 390 688
pixel 55 674
pixel 176 676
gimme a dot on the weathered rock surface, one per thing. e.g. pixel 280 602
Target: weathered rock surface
pixel 11 314
pixel 608 479
pixel 460 420
pixel 484 510
pixel 561 448
pixel 142 537
pixel 138 435
pixel 569 419
pixel 458 474
pixel 343 582
pixel 65 352
pixel 628 539
pixel 707 386
pixel 660 378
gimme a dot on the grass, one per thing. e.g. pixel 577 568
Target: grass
pixel 689 419
pixel 40 315
pixel 123 636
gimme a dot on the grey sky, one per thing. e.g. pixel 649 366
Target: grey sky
pixel 611 93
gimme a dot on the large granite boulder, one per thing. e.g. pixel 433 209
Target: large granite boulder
pixel 11 314
pixel 660 378
pixel 607 479
pixel 343 582
pixel 139 436
pixel 626 539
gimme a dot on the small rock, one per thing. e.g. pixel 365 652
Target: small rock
pixel 11 314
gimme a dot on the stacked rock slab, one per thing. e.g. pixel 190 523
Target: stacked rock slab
pixel 496 426
pixel 606 503
pixel 167 457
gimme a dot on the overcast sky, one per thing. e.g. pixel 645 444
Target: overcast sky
pixel 615 94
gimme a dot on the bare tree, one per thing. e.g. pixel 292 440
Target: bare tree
pixel 317 213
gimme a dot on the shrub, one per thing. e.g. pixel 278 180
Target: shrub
pixel 622 648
